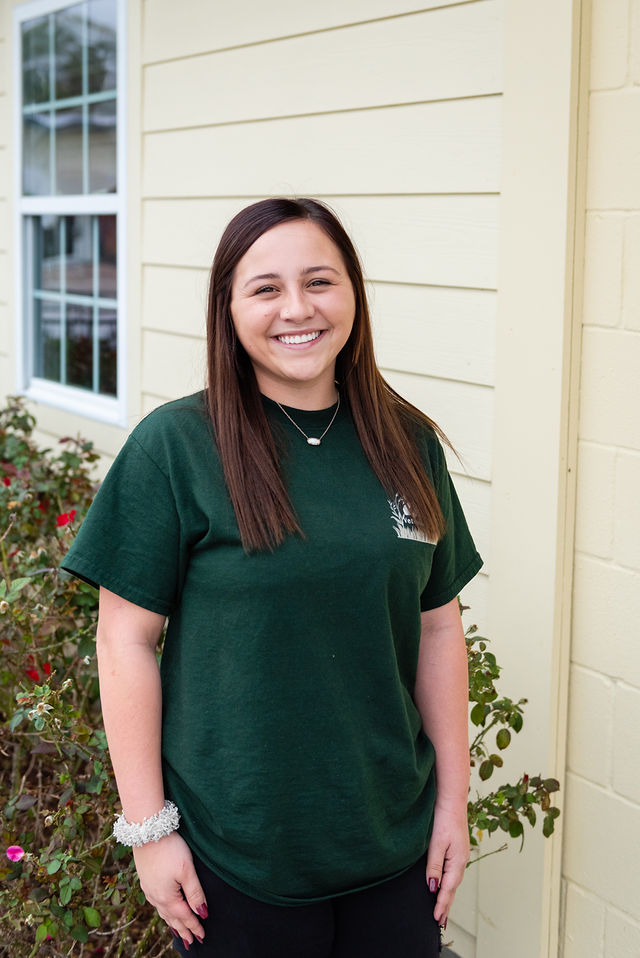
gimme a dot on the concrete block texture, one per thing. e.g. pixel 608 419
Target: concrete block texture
pixel 595 499
pixel 610 387
pixel 606 619
pixel 603 268
pixel 627 513
pixel 591 701
pixel 610 40
pixel 626 743
pixel 631 273
pixel 583 925
pixel 622 935
pixel 602 845
pixel 614 150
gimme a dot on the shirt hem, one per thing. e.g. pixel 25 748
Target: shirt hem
pixel 469 571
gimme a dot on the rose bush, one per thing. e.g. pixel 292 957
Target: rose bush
pixel 65 887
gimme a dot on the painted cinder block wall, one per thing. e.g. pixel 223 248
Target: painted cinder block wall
pixel 601 856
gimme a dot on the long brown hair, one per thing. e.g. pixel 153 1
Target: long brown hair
pixel 385 422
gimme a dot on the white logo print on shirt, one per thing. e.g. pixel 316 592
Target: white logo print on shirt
pixel 403 522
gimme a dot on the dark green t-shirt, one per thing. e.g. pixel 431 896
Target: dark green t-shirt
pixel 290 740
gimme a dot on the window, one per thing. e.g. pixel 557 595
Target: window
pixel 70 204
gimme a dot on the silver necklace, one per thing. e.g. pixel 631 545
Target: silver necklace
pixel 311 439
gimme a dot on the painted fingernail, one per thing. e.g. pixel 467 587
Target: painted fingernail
pixel 174 932
pixel 201 940
pixel 202 910
pixel 186 944
pixel 433 884
pixel 444 925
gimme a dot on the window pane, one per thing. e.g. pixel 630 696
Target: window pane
pixel 102 45
pixel 107 253
pixel 35 61
pixel 108 352
pixel 102 147
pixel 68 51
pixel 36 179
pixel 80 346
pixel 79 255
pixel 47 264
pixel 69 150
pixel 47 339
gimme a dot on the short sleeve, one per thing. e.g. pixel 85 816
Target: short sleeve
pixel 130 541
pixel 456 559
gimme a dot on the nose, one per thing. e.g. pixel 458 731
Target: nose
pixel 296 307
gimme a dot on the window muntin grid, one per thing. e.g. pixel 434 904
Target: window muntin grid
pixel 75 301
pixel 69 101
pixel 71 206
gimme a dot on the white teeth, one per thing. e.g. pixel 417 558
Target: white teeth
pixel 294 340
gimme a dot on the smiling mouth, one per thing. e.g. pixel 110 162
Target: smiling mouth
pixel 295 340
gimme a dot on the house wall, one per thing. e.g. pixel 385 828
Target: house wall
pixel 602 810
pixel 5 232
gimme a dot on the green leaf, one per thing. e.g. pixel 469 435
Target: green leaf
pixel 92 917
pixel 41 932
pixel 547 826
pixel 503 738
pixel 477 714
pixel 486 770
pixel 54 866
pixel 65 895
pixel 80 933
pixel 496 760
pixel 16 719
pixel 551 784
pixel 515 829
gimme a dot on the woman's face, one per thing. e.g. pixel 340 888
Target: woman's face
pixel 293 308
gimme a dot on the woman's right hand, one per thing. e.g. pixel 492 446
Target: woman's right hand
pixel 169 880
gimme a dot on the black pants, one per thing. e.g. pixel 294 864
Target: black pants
pixel 388 920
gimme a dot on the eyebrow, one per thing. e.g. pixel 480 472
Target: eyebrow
pixel 305 272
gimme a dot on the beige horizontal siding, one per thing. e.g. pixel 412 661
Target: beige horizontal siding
pixel 453 146
pixel 172 365
pixel 464 411
pixel 4 225
pixel 444 53
pixel 173 30
pixel 4 121
pixel 174 299
pixel 433 331
pixel 436 240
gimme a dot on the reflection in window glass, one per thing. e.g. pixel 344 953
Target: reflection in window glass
pixel 102 45
pixel 35 61
pixel 102 147
pixel 68 30
pixel 79 255
pixel 36 154
pixel 48 261
pixel 80 346
pixel 108 286
pixel 47 339
pixel 69 150
pixel 107 333
pixel 69 139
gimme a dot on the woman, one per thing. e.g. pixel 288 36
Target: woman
pixel 296 524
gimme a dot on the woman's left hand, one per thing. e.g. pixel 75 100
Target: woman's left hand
pixel 447 856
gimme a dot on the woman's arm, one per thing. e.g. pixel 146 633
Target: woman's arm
pixel 442 698
pixel 131 699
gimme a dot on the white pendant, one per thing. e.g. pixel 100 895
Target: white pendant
pixel 312 441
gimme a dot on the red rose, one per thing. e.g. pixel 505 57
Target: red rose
pixel 33 674
pixel 6 480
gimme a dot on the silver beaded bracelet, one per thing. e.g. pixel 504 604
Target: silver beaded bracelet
pixel 150 830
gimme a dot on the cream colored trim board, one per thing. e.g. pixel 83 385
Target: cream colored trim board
pixel 535 439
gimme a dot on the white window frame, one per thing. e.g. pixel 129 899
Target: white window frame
pixel 70 398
